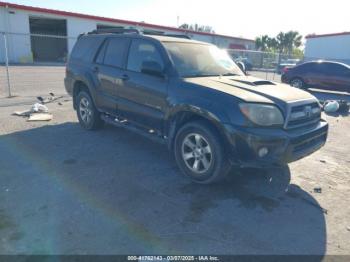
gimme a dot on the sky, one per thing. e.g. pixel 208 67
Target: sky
pixel 245 18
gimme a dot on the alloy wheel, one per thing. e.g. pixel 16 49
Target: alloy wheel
pixel 297 83
pixel 197 153
pixel 85 110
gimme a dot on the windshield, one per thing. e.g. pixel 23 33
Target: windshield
pixel 195 60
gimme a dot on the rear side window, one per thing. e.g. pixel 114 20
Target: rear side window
pixel 86 48
pixel 308 67
pixel 337 70
pixel 101 54
pixel 116 52
pixel 141 51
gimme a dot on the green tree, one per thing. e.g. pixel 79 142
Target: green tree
pixel 292 40
pixel 286 42
pixel 261 42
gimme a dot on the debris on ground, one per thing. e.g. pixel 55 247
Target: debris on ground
pixel 318 190
pixel 22 113
pixel 37 112
pixel 49 99
pixel 344 106
pixel 39 108
pixel 332 106
pixel 323 161
pixel 40 117
pixel 348 228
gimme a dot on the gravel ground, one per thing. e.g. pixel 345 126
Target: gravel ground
pixel 64 190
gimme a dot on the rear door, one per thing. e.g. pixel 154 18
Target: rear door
pixel 315 75
pixel 109 70
pixel 142 97
pixel 339 76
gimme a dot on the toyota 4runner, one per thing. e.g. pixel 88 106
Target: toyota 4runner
pixel 193 97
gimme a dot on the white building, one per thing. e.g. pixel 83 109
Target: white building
pixel 25 25
pixel 328 47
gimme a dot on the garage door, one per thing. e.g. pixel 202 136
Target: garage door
pixel 53 46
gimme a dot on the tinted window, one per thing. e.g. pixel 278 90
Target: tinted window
pixel 101 54
pixel 323 68
pixel 338 70
pixel 86 48
pixel 141 51
pixel 116 51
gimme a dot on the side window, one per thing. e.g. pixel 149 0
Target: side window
pixel 337 70
pixel 305 68
pixel 101 54
pixel 141 51
pixel 331 69
pixel 85 48
pixel 115 52
pixel 323 68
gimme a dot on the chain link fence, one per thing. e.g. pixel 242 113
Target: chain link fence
pixel 265 65
pixel 33 64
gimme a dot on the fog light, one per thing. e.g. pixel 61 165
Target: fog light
pixel 263 151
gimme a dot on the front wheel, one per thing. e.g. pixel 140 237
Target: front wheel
pixel 298 83
pixel 200 154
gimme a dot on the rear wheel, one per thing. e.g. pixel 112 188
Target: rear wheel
pixel 89 117
pixel 298 83
pixel 200 154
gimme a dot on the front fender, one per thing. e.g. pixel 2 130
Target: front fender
pixel 202 109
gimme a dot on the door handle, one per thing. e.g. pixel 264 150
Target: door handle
pixel 95 69
pixel 125 77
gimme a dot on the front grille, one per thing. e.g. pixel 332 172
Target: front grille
pixel 303 115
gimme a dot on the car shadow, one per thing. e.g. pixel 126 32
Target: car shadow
pixel 70 191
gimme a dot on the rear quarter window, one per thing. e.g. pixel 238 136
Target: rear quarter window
pixel 305 67
pixel 85 48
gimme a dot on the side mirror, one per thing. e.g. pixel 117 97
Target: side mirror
pixel 152 68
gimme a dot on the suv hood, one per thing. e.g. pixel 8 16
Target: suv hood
pixel 252 89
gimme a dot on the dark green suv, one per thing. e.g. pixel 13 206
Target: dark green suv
pixel 191 96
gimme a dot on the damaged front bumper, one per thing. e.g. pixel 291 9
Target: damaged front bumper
pixel 259 147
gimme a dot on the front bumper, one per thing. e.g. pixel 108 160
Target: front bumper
pixel 284 146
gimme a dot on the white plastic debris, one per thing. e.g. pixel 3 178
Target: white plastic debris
pixel 331 107
pixel 39 108
pixel 38 112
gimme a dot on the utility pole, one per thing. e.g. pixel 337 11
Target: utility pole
pixel 7 65
pixel 6 53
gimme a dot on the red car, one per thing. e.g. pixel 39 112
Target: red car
pixel 321 74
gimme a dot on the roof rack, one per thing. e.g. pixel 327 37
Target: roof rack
pixel 170 35
pixel 132 31
pixel 114 31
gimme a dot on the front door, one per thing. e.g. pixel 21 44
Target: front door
pixel 142 97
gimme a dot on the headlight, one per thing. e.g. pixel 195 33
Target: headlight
pixel 262 115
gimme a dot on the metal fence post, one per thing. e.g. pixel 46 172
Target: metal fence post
pixel 7 65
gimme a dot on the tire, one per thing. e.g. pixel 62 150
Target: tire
pixel 200 154
pixel 89 117
pixel 297 83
